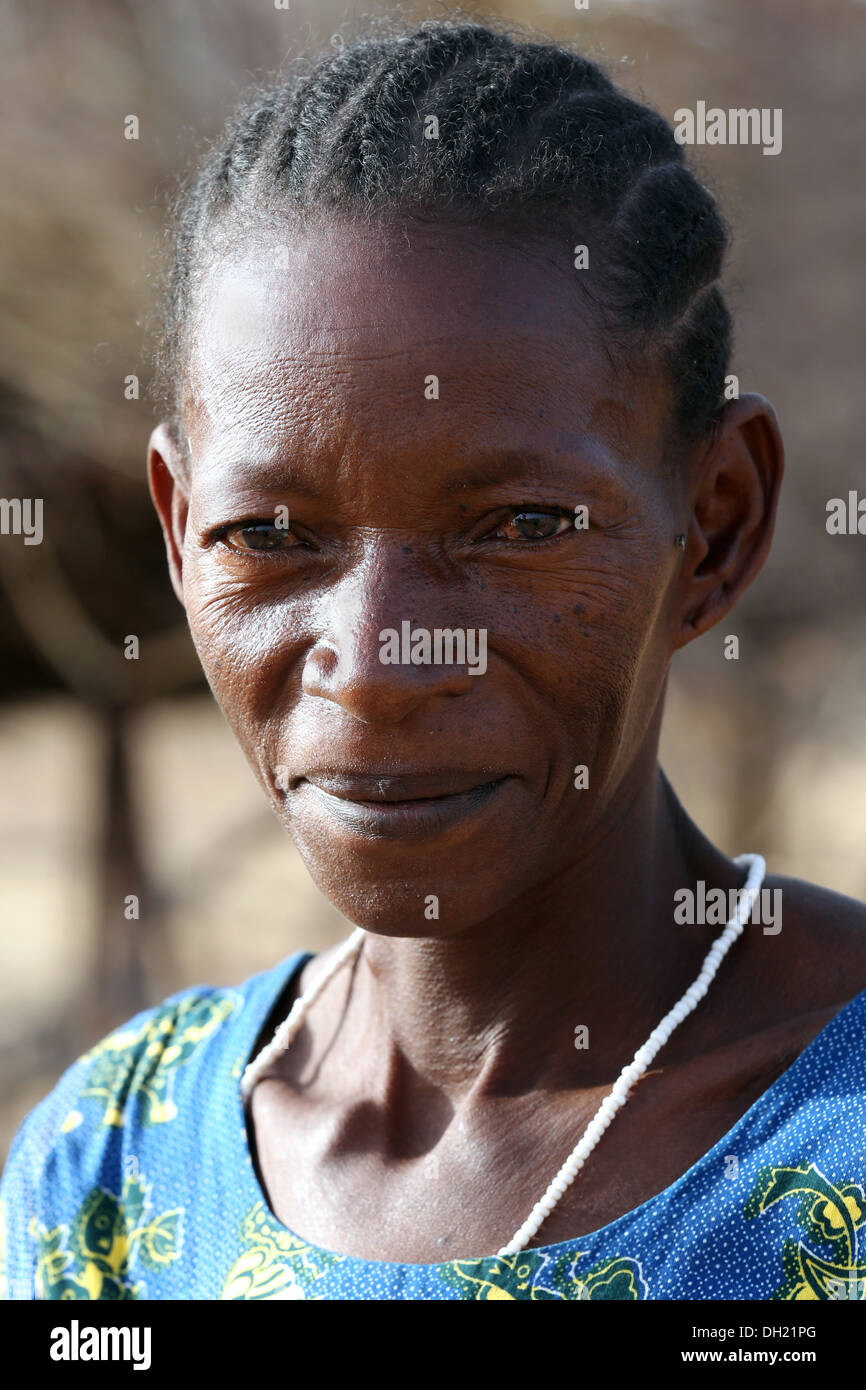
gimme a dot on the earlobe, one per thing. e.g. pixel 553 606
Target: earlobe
pixel 734 495
pixel 169 489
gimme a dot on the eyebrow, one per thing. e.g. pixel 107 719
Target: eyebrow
pixel 488 468
pixel 503 465
pixel 281 475
pixel 495 467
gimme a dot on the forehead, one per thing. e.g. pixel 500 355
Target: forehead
pixel 347 328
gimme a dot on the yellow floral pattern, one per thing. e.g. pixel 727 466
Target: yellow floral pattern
pixel 533 1274
pixel 109 1239
pixel 831 1216
pixel 140 1062
pixel 275 1263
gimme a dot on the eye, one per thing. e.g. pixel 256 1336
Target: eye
pixel 259 536
pixel 532 525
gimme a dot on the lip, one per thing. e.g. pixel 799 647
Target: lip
pixel 402 786
pixel 408 806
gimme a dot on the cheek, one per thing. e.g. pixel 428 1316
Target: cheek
pixel 248 648
pixel 614 658
pixel 592 632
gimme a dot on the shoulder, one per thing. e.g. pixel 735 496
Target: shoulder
pixel 152 1077
pixel 801 962
pixel 823 938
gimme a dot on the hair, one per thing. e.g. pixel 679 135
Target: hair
pixel 532 138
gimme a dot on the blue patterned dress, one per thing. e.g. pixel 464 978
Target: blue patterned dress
pixel 133 1179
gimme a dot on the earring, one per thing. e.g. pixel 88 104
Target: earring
pixel 680 541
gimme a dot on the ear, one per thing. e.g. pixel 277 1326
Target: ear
pixel 168 477
pixel 735 488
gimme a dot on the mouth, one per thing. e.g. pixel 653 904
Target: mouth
pixel 406 806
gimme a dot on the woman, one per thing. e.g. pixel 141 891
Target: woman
pixel 447 474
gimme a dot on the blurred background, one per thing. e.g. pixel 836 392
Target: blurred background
pixel 119 777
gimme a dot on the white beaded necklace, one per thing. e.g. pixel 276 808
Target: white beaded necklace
pixel 616 1097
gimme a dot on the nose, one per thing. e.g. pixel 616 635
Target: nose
pixel 365 621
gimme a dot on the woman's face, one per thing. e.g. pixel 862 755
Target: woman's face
pixel 392 428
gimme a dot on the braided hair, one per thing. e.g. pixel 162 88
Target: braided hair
pixel 528 137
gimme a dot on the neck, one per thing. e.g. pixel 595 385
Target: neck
pixel 494 1009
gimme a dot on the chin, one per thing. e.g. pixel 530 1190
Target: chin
pixel 437 903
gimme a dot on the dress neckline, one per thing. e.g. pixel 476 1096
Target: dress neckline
pixel 266 989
